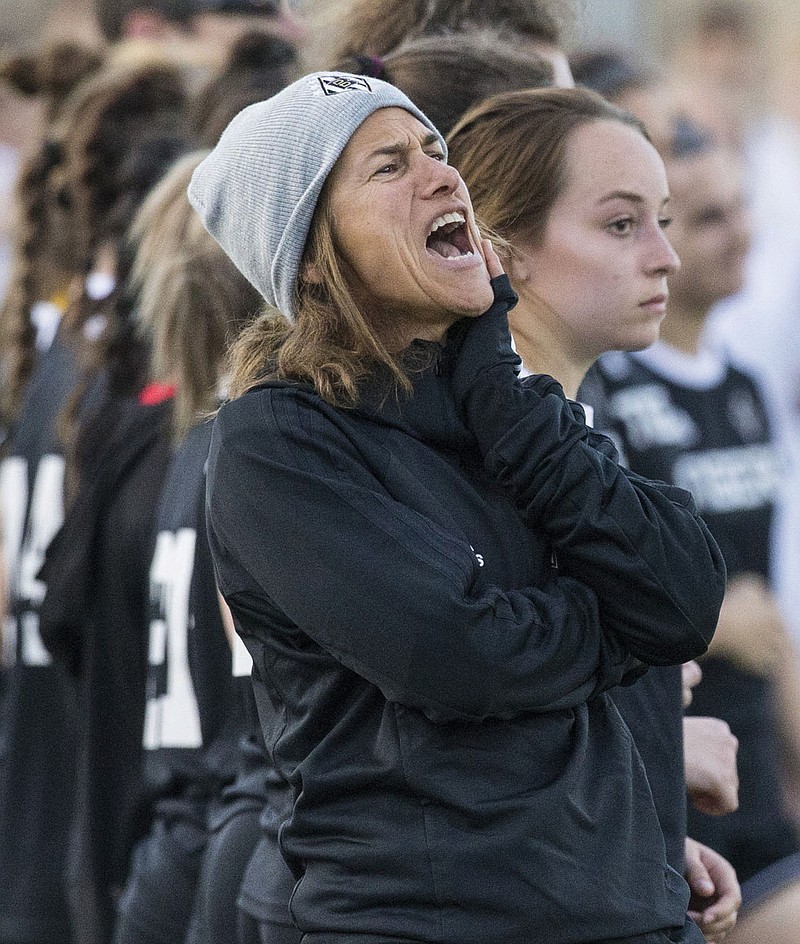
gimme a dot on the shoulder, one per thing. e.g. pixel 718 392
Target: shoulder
pixel 286 424
pixel 275 406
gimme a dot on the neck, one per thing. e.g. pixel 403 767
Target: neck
pixel 545 350
pixel 105 260
pixel 683 327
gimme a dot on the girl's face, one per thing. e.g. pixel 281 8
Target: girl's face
pixel 404 224
pixel 598 278
pixel 711 230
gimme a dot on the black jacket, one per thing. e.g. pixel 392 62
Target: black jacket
pixel 431 685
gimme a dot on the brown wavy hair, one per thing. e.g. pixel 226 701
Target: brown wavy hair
pixel 331 346
pixel 125 104
pixel 51 74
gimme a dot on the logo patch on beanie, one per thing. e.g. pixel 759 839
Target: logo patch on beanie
pixel 336 84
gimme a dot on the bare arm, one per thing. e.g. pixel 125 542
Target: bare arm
pixel 710 758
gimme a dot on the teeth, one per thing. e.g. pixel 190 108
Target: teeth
pixel 445 219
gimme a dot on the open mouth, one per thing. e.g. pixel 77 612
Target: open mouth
pixel 449 237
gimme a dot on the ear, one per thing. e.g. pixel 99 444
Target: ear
pixel 518 267
pixel 143 23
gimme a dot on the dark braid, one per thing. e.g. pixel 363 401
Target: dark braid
pixel 148 102
pixel 50 74
pixel 125 130
pixel 44 258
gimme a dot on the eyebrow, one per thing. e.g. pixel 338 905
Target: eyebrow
pixel 402 147
pixel 628 195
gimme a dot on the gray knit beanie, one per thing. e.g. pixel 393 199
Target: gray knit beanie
pixel 256 192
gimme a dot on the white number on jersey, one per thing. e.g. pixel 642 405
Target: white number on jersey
pixel 172 715
pixel 242 660
pixel 24 549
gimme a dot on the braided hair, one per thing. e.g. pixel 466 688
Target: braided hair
pixel 44 256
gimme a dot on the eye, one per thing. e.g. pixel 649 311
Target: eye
pixel 711 216
pixel 388 168
pixel 437 156
pixel 665 221
pixel 621 227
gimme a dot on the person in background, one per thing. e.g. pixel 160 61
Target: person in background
pixel 190 301
pixel 446 73
pixel 45 255
pixel 349 28
pixel 117 136
pixel 683 412
pixel 721 70
pixel 579 196
pixel 196 31
pixel 37 716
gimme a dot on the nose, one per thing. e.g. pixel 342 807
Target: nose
pixel 441 179
pixel 742 229
pixel 663 259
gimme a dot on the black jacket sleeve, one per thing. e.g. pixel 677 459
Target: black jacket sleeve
pixel 296 515
pixel 657 572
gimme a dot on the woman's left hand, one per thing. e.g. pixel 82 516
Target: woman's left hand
pixel 716 896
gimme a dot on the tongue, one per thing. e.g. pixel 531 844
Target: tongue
pixel 443 248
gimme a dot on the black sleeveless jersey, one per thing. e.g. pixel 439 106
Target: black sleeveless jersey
pixel 193 719
pixel 37 724
pixel 702 424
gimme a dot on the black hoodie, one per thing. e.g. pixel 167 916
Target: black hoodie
pixel 429 681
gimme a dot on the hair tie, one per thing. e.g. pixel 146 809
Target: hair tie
pixel 371 66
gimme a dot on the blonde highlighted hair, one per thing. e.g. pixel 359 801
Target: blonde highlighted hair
pixel 192 301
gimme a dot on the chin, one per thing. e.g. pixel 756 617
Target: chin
pixel 636 341
pixel 482 300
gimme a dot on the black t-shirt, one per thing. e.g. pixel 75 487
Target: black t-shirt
pixel 703 425
pixel 194 712
pixel 36 768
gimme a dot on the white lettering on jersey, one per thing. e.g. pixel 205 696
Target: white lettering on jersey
pixel 172 715
pixel 13 497
pixel 728 480
pixel 24 548
pixel 651 419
